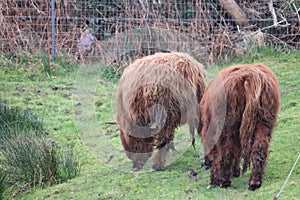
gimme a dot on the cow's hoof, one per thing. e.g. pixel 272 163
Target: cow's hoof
pixel 205 166
pixel 219 183
pixel 136 167
pixel 210 186
pixel 254 185
pixel 225 184
pixel 156 167
pixel 236 172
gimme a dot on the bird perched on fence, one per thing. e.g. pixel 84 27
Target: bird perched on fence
pixel 85 44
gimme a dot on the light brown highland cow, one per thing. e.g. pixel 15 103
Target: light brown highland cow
pixel 238 114
pixel 155 95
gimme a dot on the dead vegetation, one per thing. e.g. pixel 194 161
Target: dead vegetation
pixel 125 30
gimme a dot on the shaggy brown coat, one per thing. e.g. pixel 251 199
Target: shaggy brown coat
pixel 238 114
pixel 155 95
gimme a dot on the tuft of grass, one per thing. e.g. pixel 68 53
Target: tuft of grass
pixel 68 165
pixel 28 160
pixel 2 183
pixel 45 62
pixel 14 121
pixel 110 73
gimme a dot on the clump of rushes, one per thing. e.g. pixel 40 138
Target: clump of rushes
pixel 14 121
pixel 2 184
pixel 68 165
pixel 29 161
pixel 28 158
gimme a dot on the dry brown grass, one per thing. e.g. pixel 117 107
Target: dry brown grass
pixel 126 29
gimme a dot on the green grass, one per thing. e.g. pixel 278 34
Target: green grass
pixel 28 157
pixel 14 121
pixel 3 185
pixel 75 101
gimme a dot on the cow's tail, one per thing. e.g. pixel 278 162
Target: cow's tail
pixel 252 95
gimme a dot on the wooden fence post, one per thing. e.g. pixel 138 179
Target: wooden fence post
pixel 234 11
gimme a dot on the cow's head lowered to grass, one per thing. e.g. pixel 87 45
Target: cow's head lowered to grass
pixel 155 95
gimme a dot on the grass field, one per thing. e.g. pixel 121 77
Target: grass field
pixel 74 102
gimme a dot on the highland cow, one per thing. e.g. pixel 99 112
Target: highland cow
pixel 238 114
pixel 155 95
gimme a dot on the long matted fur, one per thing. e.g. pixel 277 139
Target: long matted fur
pixel 155 95
pixel 238 114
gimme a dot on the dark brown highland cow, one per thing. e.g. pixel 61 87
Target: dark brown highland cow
pixel 238 114
pixel 156 94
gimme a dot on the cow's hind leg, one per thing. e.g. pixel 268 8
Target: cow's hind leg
pixel 207 161
pixel 221 172
pixel 259 153
pixel 237 156
pixel 208 152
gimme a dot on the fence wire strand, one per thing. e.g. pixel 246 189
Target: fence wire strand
pixel 288 177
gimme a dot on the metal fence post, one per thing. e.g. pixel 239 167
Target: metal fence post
pixel 53 28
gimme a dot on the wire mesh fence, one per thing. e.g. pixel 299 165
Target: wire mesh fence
pixel 117 31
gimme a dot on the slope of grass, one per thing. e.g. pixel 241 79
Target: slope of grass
pixel 28 157
pixel 79 121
